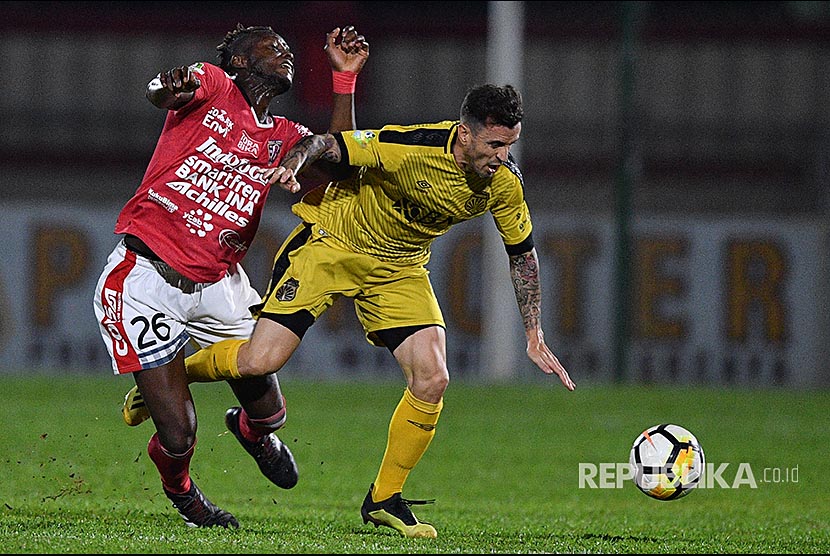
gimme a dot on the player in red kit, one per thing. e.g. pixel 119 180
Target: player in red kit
pixel 175 276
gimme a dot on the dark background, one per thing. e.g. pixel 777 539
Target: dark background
pixel 729 111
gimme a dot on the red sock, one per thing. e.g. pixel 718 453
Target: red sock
pixel 254 429
pixel 173 468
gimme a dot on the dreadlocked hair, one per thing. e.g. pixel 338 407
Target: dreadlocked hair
pixel 238 41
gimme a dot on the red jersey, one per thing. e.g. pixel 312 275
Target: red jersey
pixel 200 202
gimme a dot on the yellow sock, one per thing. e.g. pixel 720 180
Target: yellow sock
pixel 410 432
pixel 214 363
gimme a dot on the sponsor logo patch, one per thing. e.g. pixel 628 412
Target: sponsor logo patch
pixel 248 145
pixel 363 137
pixel 218 120
pixel 231 240
pixel 423 426
pixel 197 222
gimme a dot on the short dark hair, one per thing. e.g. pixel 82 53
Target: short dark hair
pixel 490 104
pixel 239 41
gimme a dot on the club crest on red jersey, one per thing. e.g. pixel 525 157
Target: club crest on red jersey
pixel 274 148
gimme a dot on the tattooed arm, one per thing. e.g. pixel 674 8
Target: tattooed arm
pixel 524 272
pixel 302 155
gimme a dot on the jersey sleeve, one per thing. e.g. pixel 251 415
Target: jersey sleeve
pixel 363 147
pixel 291 134
pixel 512 215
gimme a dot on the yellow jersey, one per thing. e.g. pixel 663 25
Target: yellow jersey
pixel 409 190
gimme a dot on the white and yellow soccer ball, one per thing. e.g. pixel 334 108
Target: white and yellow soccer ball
pixel 666 461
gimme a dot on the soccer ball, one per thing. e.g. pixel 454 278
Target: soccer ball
pixel 667 462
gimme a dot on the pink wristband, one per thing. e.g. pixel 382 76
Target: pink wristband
pixel 343 82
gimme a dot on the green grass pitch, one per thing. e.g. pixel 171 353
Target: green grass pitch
pixel 504 469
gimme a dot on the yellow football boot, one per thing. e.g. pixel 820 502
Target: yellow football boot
pixel 394 512
pixel 134 410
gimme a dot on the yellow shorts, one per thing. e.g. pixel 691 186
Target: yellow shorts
pixel 311 270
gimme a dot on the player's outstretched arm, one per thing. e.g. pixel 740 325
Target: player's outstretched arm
pixel 524 271
pixel 347 52
pixel 346 58
pixel 299 157
pixel 173 88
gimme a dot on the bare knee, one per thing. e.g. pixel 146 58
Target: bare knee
pixel 176 425
pixel 423 359
pixel 253 363
pixel 177 438
pixel 268 350
pixel 430 386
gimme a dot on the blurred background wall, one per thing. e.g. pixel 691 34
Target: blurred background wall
pixel 723 127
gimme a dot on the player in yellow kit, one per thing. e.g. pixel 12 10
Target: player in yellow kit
pixel 368 238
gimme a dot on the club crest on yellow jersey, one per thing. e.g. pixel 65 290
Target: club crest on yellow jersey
pixel 477 203
pixel 288 291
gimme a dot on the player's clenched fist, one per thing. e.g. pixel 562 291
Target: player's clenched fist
pixel 179 80
pixel 173 88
